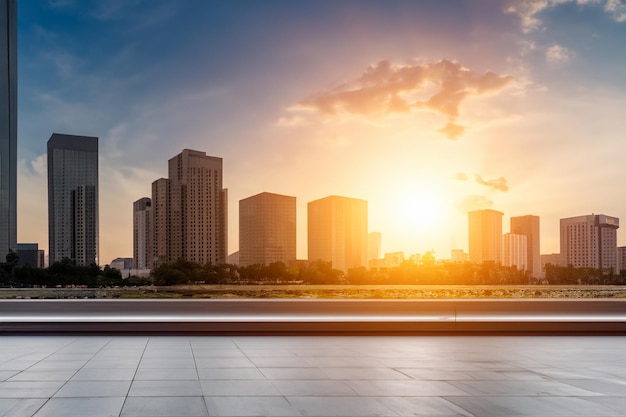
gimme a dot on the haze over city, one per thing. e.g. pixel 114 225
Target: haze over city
pixel 425 109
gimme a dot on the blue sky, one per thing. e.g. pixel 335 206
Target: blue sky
pixel 425 109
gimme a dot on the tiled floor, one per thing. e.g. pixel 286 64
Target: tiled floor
pixel 93 376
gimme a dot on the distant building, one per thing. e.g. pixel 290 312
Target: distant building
pixel 393 259
pixel 515 251
pixel 529 227
pixel 8 127
pixel 190 210
pixel 41 258
pixel 374 245
pixel 73 198
pixel 337 231
pixel 267 229
pixel 122 263
pixel 233 258
pixel 142 234
pixel 28 254
pixel 589 242
pixel 621 258
pixel 458 255
pixel 485 236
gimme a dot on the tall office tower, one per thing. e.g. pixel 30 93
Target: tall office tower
pixel 73 198
pixel 485 236
pixel 515 251
pixel 8 127
pixel 142 233
pixel 529 227
pixel 589 242
pixel 160 222
pixel 337 231
pixel 267 229
pixel 190 210
pixel 374 245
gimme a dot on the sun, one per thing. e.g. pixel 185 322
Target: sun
pixel 419 208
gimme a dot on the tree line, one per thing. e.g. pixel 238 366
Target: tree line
pixel 66 273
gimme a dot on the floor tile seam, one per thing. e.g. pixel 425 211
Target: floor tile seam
pixel 193 356
pixel 145 346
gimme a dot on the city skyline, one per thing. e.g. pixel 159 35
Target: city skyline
pixel 427 110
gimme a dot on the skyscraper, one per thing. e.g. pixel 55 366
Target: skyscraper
pixel 337 231
pixel 190 210
pixel 267 229
pixel 8 127
pixel 529 227
pixel 485 236
pixel 515 251
pixel 142 233
pixel 589 242
pixel 73 198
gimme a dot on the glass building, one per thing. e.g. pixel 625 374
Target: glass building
pixel 8 127
pixel 73 198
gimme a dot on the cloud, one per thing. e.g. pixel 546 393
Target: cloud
pixel 452 131
pixel 292 121
pixel 499 183
pixel 474 202
pixel 617 9
pixel 557 54
pixel 385 89
pixel 529 10
pixel 461 176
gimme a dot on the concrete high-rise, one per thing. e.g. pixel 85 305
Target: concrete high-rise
pixel 337 231
pixel 529 227
pixel 485 236
pixel 8 127
pixel 190 210
pixel 267 229
pixel 142 233
pixel 515 251
pixel 73 198
pixel 590 242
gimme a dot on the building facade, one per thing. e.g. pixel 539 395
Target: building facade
pixel 529 227
pixel 515 251
pixel 73 198
pixel 190 211
pixel 337 231
pixel 589 242
pixel 485 236
pixel 374 245
pixel 8 127
pixel 29 254
pixel 621 258
pixel 267 229
pixel 142 234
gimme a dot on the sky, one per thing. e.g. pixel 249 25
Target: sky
pixel 426 109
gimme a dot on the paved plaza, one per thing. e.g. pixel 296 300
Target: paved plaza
pixel 146 376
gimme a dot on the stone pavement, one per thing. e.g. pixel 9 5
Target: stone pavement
pixel 168 376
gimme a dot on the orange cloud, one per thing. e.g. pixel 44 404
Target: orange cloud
pixel 387 89
pixel 496 183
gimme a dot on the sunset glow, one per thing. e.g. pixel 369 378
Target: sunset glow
pixel 426 109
